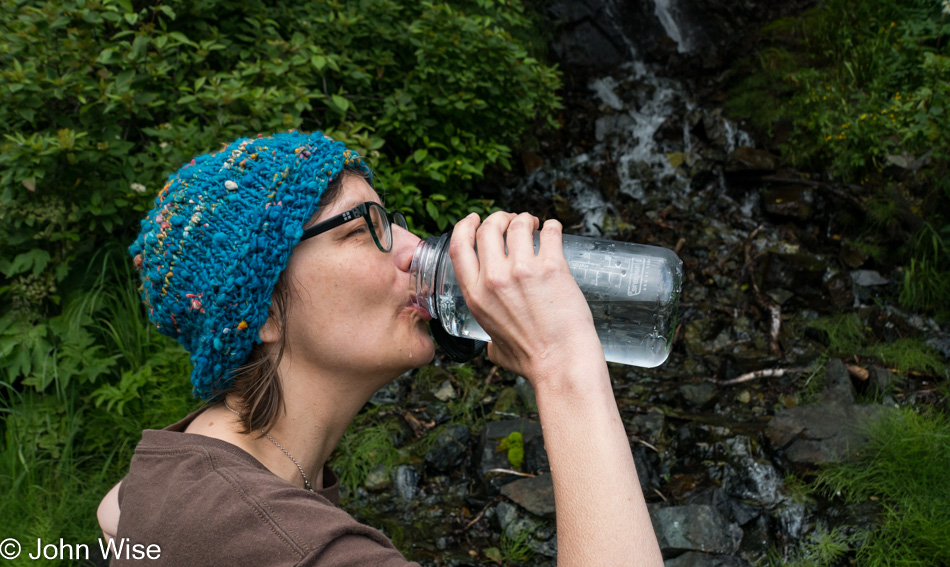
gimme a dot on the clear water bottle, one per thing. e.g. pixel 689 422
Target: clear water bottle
pixel 632 290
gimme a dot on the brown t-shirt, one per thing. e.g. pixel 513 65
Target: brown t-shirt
pixel 206 502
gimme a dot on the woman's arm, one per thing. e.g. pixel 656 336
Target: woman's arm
pixel 108 513
pixel 542 328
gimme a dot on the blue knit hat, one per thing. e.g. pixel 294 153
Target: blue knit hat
pixel 220 234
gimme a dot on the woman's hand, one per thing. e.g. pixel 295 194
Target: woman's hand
pixel 542 328
pixel 529 304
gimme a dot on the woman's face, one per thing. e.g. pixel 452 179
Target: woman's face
pixel 349 308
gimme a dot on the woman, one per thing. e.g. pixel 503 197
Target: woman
pixel 288 347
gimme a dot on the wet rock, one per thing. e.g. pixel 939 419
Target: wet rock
pixel 801 273
pixel 536 494
pixel 851 256
pixel 838 386
pixel 694 528
pixel 407 482
pixel 581 41
pixel 391 394
pixel 449 448
pixel 505 514
pixel 745 158
pixel 941 342
pixel 444 392
pixel 698 395
pixel 789 201
pixel 882 380
pixel 821 433
pixel 377 479
pixel 647 463
pixel 698 559
pixel 505 404
pixel 526 393
pixel 839 289
pixel 649 426
pixel 867 278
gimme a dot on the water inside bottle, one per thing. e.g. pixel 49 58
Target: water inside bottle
pixel 630 302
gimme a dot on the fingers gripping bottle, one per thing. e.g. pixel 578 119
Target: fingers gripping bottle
pixel 632 290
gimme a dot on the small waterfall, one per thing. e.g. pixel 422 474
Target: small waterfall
pixel 666 12
pixel 643 132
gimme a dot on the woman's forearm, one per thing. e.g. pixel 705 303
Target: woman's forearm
pixel 602 517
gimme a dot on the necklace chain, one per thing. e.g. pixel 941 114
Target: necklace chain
pixel 306 481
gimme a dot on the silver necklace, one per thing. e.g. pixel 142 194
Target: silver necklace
pixel 306 481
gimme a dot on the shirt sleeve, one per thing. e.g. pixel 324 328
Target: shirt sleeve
pixel 353 550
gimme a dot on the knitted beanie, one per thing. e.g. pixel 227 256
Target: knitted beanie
pixel 220 233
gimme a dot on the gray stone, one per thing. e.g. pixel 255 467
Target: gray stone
pixel 883 380
pixel 377 479
pixel 941 342
pixel 821 433
pixel 444 392
pixel 838 386
pixel 535 494
pixel 649 426
pixel 698 395
pixel 505 514
pixel 789 201
pixel 697 559
pixel 449 448
pixel 867 278
pixel 526 393
pixel 407 482
pixel 694 528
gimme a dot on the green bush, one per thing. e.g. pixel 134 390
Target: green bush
pixel 100 101
pixel 860 90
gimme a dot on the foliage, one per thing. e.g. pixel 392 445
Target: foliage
pixel 822 548
pixel 904 467
pixel 847 337
pixel 860 89
pixel 362 449
pixel 516 547
pixel 100 100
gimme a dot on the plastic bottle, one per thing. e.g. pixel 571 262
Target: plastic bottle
pixel 632 290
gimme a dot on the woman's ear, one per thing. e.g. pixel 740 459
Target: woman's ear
pixel 269 332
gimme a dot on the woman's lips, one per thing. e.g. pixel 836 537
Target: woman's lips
pixel 423 312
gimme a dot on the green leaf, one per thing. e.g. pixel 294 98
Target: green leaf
pixel 432 210
pixel 420 155
pixel 340 102
pixel 35 259
pixel 319 62
pixel 182 38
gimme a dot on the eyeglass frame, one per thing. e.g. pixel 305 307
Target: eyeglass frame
pixel 361 211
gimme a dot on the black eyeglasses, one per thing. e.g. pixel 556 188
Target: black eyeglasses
pixel 379 221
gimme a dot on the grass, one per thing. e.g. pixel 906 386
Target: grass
pixel 70 427
pixel 846 337
pixel 363 448
pixel 904 468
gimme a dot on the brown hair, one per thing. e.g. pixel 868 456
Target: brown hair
pixel 256 382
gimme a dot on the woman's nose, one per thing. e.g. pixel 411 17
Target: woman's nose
pixel 404 245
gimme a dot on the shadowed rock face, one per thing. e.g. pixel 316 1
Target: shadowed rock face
pixel 694 528
pixel 828 431
pixel 599 35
